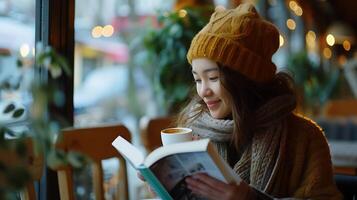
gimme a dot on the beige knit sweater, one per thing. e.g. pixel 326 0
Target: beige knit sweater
pixel 301 167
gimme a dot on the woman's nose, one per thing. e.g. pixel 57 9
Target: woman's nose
pixel 205 90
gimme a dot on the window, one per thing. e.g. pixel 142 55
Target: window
pixel 103 69
pixel 17 39
pixel 108 86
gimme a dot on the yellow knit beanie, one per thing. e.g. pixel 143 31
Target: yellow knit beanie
pixel 240 39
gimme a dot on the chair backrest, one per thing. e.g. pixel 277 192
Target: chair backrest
pixel 33 163
pixel 95 143
pixel 151 129
pixel 341 108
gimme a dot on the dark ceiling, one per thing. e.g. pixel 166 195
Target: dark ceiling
pixel 329 11
pixel 346 10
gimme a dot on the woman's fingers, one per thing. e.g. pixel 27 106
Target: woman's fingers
pixel 202 189
pixel 211 182
pixel 212 188
pixel 140 176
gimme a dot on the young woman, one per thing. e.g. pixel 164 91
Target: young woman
pixel 246 109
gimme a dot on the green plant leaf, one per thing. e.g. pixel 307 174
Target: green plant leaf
pixel 9 108
pixel 56 158
pixel 18 113
pixel 76 159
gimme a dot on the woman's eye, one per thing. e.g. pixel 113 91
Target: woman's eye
pixel 213 78
pixel 198 80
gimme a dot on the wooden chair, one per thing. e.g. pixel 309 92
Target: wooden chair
pixel 94 142
pixel 350 171
pixel 150 131
pixel 33 163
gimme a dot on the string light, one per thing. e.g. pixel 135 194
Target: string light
pixel 97 31
pixel 24 50
pixel 293 5
pixel 290 23
pixel 327 53
pixel 281 40
pixel 310 39
pixel 298 11
pixel 182 13
pixel 108 31
pixel 330 39
pixel 346 45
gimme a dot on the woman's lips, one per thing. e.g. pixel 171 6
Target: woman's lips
pixel 212 104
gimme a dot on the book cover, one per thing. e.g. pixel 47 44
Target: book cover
pixel 166 168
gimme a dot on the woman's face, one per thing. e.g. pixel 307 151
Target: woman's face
pixel 209 87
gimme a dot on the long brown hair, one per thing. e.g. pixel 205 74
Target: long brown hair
pixel 247 97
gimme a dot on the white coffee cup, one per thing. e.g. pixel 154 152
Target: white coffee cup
pixel 176 135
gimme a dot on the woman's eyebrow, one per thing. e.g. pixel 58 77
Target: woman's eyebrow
pixel 207 70
pixel 210 69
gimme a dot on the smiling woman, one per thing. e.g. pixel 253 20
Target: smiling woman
pixel 245 107
pixel 208 86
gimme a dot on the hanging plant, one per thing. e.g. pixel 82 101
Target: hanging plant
pixel 314 82
pixel 41 128
pixel 164 54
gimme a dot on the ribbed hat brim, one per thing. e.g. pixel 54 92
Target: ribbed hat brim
pixel 232 54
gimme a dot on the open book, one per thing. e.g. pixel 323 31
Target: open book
pixel 166 167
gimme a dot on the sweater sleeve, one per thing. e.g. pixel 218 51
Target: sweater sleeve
pixel 318 182
pixel 317 179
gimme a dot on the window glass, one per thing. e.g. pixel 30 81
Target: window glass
pixel 17 38
pixel 108 84
pixel 104 31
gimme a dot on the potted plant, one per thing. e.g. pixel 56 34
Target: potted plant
pixel 40 127
pixel 164 54
pixel 315 82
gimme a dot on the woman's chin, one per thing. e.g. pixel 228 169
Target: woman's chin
pixel 215 114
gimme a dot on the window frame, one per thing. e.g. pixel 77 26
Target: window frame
pixel 55 27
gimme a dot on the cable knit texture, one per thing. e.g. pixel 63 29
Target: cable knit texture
pixel 240 39
pixel 285 161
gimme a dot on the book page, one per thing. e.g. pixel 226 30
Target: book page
pixel 172 170
pixel 132 154
pixel 182 147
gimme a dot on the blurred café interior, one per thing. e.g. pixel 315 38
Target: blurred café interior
pixel 102 68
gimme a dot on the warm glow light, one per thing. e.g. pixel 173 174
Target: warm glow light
pixel 346 45
pixel 293 5
pixel 97 31
pixel 108 31
pixel 291 24
pixel 342 59
pixel 182 13
pixel 298 11
pixel 281 40
pixel 327 53
pixel 310 39
pixel 24 50
pixel 330 39
pixel 312 35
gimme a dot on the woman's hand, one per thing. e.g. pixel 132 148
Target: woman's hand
pixel 151 191
pixel 211 188
pixel 140 176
